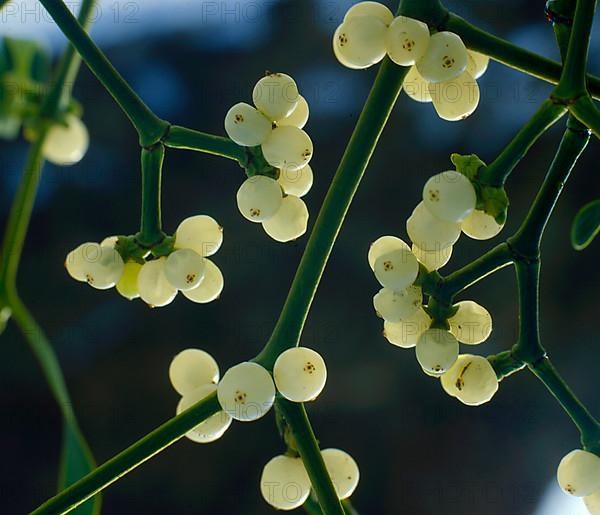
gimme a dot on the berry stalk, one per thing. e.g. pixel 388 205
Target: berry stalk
pixel 151 220
pixel 297 420
pixel 150 128
pixel 189 139
pixel 496 173
pixel 490 262
pixel 371 122
pixel 130 458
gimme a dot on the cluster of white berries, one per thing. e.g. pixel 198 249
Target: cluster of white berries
pixel 276 124
pixel 246 392
pixel 156 281
pixel 66 144
pixel 442 70
pixel 285 485
pixel 448 202
pixel 578 474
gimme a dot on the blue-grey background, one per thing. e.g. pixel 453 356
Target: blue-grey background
pixel 420 452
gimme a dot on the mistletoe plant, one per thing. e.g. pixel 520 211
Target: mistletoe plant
pixel 435 56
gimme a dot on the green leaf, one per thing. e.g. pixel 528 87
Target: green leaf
pixel 494 202
pixel 76 462
pixel 468 165
pixel 586 225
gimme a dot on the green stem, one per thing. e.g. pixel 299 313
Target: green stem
pixel 366 134
pixel 130 458
pixel 20 215
pixel 587 113
pixel 572 82
pixel 308 448
pixel 433 11
pixel 188 139
pixel 528 348
pixel 60 93
pixel 526 241
pixel 490 262
pixel 151 223
pixel 588 426
pixel 511 55
pixel 496 173
pixel 150 128
pixel 505 364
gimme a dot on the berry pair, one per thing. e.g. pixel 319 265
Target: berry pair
pixel 194 374
pixel 247 390
pixel 285 485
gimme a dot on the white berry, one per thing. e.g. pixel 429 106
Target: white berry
pixel 290 222
pixel 192 368
pixel 246 391
pixel 296 182
pixel 397 269
pixel 201 233
pixel 246 125
pixel 455 99
pixel 66 145
pixel 109 241
pixel 211 286
pixel 437 350
pixel 382 245
pixel 406 40
pixel 284 483
pixel 430 233
pixel 259 198
pixel 127 285
pixel 578 473
pixel 480 226
pixel 445 59
pixel 78 259
pixel 359 42
pixel 214 426
pixel 396 305
pixel 184 269
pixel 476 63
pixel 276 95
pixel 472 380
pixel 153 285
pixel 343 471
pixel 471 324
pixel 415 86
pixel 592 503
pixel 101 267
pixel 370 9
pixel 299 116
pixel 288 148
pixel 433 259
pixel 300 374
pixel 406 333
pixel 449 196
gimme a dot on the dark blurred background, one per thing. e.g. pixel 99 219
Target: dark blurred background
pixel 420 452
